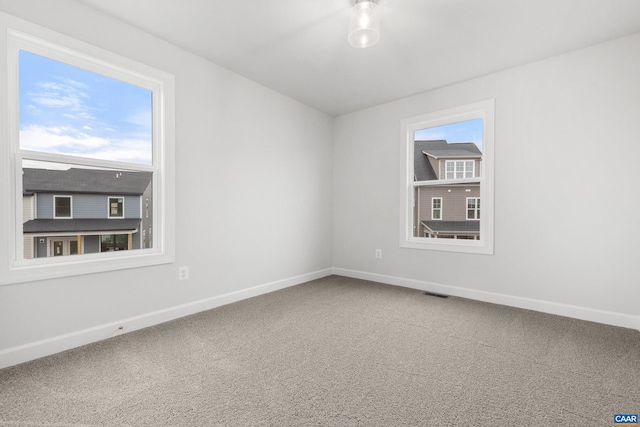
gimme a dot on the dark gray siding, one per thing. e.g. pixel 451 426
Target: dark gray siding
pixel 135 240
pixel 147 217
pixel 91 244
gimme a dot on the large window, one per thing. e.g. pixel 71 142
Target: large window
pixel 83 121
pixel 114 242
pixel 447 161
pixel 457 169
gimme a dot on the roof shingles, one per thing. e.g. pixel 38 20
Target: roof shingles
pixel 439 149
pixel 76 180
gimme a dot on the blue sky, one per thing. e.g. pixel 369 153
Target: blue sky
pixel 68 110
pixel 467 131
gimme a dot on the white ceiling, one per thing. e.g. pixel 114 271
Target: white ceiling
pixel 299 47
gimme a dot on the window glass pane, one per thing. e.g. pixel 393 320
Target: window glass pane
pixel 457 146
pixel 116 206
pixel 93 212
pixel 62 206
pixel 89 109
pixel 68 110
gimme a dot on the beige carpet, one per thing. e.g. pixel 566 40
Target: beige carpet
pixel 338 352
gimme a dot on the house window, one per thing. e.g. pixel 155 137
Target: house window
pixel 86 122
pixel 457 169
pixel 62 206
pixel 114 242
pixel 473 208
pixel 436 208
pixel 116 207
pixel 447 159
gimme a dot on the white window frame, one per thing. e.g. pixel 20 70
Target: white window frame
pixel 476 209
pixel 464 168
pixel 484 110
pixel 61 196
pixel 109 207
pixel 433 209
pixel 17 34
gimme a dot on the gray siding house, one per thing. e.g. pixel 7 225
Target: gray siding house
pixel 450 210
pixel 82 211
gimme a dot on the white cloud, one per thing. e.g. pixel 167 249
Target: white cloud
pixel 140 118
pixel 61 96
pixel 76 84
pixel 71 141
pixel 63 139
pixel 425 135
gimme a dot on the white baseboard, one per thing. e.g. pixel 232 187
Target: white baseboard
pixel 24 353
pixel 576 312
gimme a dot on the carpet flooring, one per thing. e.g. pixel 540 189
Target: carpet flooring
pixel 338 352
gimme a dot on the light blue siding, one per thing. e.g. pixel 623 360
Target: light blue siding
pixel 92 206
pixel 132 207
pixel 45 206
pixel 89 206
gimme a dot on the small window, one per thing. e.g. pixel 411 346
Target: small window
pixel 436 208
pixel 473 208
pixel 61 207
pixel 116 207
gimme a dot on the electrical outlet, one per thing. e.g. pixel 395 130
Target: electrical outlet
pixel 183 273
pixel 378 253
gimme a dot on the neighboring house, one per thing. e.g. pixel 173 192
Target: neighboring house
pixel 81 211
pixel 450 210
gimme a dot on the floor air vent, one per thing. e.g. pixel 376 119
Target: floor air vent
pixel 433 294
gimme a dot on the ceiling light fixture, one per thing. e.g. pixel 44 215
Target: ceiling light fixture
pixel 364 24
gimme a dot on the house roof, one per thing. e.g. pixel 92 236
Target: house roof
pixel 439 149
pixel 453 227
pixel 79 225
pixel 76 180
pixel 422 169
pixel 443 149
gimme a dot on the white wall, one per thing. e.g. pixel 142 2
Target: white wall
pixel 567 144
pixel 253 200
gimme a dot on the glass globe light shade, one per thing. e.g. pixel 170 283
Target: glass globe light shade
pixel 364 24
